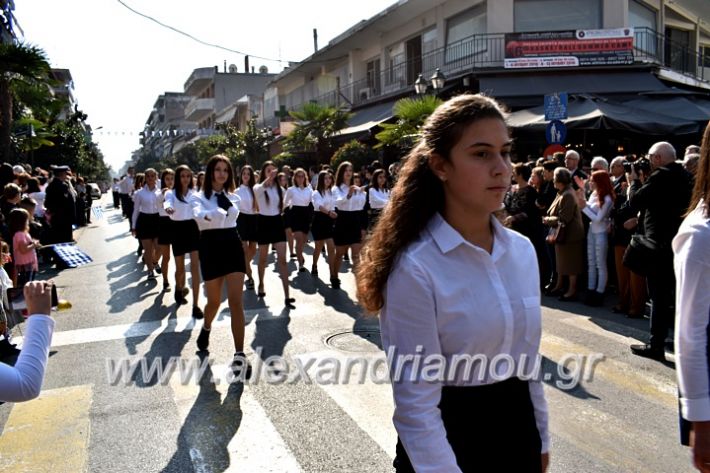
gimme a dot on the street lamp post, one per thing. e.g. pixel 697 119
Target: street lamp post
pixel 438 80
pixel 421 85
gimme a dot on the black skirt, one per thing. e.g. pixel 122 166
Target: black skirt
pixel 147 226
pixel 489 428
pixel 348 226
pixel 323 226
pixel 373 218
pixel 247 227
pixel 300 217
pixel 287 217
pixel 165 231
pixel 270 229
pixel 221 253
pixel 186 237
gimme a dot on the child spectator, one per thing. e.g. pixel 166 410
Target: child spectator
pixel 36 228
pixel 6 348
pixel 10 199
pixel 24 247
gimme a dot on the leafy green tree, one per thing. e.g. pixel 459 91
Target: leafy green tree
pixel 251 144
pixel 357 153
pixel 23 68
pixel 411 114
pixel 315 126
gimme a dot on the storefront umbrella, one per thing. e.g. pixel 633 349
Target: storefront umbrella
pixel 594 113
pixel 681 107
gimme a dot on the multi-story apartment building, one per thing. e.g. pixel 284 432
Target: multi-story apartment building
pixel 64 89
pixel 378 60
pixel 166 124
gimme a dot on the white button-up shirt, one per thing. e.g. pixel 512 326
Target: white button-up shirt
pixel 146 201
pixel 298 196
pixel 691 247
pixel 126 185
pixel 218 218
pixel 484 304
pixel 327 201
pixel 246 204
pixel 378 198
pixel 354 203
pixel 181 210
pixel 271 207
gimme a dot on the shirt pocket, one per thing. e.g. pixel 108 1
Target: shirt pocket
pixel 533 320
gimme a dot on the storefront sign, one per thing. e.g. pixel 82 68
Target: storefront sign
pixel 569 48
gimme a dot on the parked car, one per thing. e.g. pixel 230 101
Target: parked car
pixel 95 191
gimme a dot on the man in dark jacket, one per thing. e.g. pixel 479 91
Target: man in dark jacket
pixel 60 203
pixel 663 196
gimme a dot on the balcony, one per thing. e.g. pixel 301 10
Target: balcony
pixel 486 52
pixel 199 80
pixel 199 109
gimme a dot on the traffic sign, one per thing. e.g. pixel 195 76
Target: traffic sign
pixel 556 106
pixel 556 132
pixel 552 149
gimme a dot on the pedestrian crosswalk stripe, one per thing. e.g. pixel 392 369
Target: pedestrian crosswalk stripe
pixel 50 433
pixel 218 416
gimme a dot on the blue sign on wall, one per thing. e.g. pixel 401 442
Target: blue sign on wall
pixel 556 132
pixel 556 106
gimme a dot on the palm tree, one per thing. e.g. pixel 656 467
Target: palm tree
pixel 22 66
pixel 411 114
pixel 315 126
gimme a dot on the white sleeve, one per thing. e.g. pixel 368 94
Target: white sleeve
pixel 376 199
pixel 136 208
pixel 169 200
pixel 317 200
pixel 288 197
pixel 24 381
pixel 408 321
pixel 691 334
pixel 599 214
pixel 339 197
pixel 199 211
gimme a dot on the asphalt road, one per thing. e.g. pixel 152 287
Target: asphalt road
pixel 622 418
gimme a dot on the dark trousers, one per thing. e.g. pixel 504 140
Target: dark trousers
pixel 127 206
pixel 661 291
pixel 490 428
pixel 116 199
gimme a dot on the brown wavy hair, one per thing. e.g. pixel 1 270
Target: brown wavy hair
pixel 177 187
pixel 417 195
pixel 701 190
pixel 209 175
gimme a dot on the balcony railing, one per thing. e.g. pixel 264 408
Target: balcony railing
pixel 198 109
pixel 484 51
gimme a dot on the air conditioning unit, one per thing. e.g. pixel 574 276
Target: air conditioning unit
pixel 365 94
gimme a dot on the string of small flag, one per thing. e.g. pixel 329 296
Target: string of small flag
pixel 159 133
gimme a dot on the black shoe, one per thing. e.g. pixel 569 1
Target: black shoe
pixel 647 351
pixel 314 270
pixel 151 276
pixel 335 283
pixel 197 313
pixel 179 297
pixel 166 285
pixel 634 316
pixel 250 284
pixel 564 298
pixel 157 268
pixel 554 292
pixel 241 366
pixel 288 302
pixel 594 299
pixel 203 340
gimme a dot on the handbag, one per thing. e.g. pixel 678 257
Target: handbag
pixel 640 255
pixel 556 234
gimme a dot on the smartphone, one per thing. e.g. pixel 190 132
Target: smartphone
pixel 55 297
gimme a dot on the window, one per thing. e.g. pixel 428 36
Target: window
pixel 373 76
pixel 460 31
pixel 643 20
pixel 556 15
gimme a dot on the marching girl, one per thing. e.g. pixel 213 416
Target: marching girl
pixel 357 181
pixel 349 202
pixel 269 198
pixel 298 201
pixel 146 220
pixel 186 237
pixel 246 222
pixel 324 224
pixel 215 210
pixel 138 182
pixel 199 181
pixel 441 215
pixel 165 229
pixel 378 195
pixel 283 181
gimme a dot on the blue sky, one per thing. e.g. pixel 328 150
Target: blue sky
pixel 121 62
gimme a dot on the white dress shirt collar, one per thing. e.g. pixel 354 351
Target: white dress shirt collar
pixel 447 238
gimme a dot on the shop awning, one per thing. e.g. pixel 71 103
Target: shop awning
pixel 593 113
pixel 581 83
pixel 678 106
pixel 367 118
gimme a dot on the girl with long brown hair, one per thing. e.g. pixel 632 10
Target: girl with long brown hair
pixel 349 202
pixel 691 248
pixel 269 197
pixel 165 229
pixel 247 220
pixel 146 220
pixel 324 222
pixel 445 277
pixel 186 237
pixel 221 258
pixel 298 201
